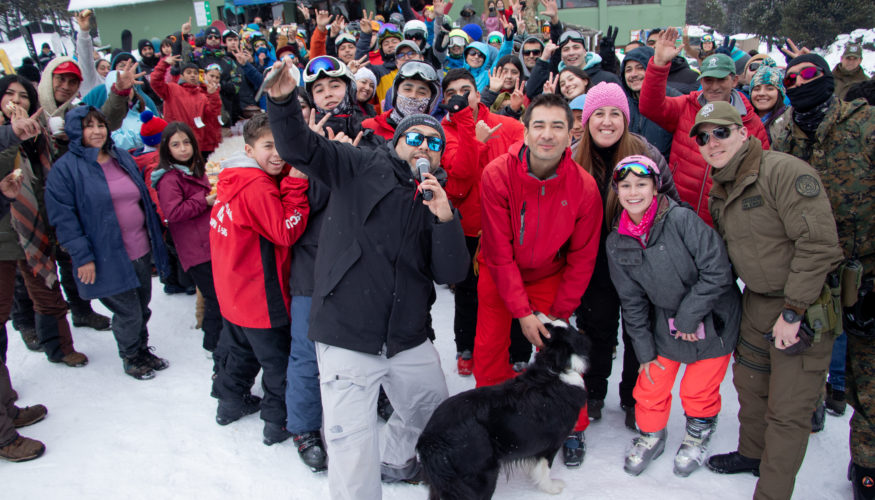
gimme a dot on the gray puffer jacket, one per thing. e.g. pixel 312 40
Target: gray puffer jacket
pixel 683 273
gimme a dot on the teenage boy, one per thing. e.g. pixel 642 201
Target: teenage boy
pixel 260 211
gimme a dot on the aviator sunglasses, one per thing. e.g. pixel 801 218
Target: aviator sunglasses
pixel 721 133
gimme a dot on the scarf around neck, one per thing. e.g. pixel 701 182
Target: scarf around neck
pixel 641 230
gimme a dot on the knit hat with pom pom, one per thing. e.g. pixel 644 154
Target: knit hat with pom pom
pixel 151 129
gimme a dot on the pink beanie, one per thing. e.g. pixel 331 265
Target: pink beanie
pixel 605 94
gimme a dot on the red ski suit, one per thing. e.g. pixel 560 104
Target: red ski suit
pixel 538 250
pixel 253 225
pixel 465 158
pixel 183 103
pixel 677 115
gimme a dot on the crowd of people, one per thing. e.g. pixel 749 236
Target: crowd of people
pixel 528 169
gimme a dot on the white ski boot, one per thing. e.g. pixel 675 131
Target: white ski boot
pixel 645 448
pixel 693 449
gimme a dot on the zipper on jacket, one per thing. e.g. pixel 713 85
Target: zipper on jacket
pixel 702 190
pixel 522 222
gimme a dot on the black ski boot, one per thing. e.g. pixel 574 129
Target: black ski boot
pixel 311 450
pixel 733 463
pixel 232 411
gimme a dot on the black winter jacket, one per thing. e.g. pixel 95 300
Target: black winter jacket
pixel 380 248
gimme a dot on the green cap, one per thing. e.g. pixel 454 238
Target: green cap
pixel 716 113
pixel 853 49
pixel 717 66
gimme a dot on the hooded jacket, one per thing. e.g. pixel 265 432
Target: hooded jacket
pixel 183 201
pixel 530 39
pixel 491 56
pixel 383 250
pixel 253 224
pixel 533 229
pixel 677 115
pixel 682 77
pixel 80 207
pixel 465 158
pixel 114 108
pixel 683 273
pixel 185 103
pixel 638 123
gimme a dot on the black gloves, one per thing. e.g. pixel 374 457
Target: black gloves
pixel 456 103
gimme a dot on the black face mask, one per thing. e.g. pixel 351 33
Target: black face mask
pixel 812 94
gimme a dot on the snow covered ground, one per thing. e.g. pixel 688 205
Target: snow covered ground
pixel 110 436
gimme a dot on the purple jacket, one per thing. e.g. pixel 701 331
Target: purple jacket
pixel 183 200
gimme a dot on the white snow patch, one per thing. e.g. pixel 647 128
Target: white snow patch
pixel 110 436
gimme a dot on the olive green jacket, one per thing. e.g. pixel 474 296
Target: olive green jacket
pixel 842 151
pixel 777 222
pixel 845 79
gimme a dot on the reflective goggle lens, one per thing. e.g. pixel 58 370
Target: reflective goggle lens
pixel 415 139
pixel 806 73
pixel 639 169
pixel 323 64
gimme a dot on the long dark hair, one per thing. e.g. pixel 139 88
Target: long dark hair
pixel 95 114
pixel 32 96
pixel 166 160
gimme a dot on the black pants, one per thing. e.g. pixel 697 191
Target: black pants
pixel 599 317
pixel 245 351
pixel 465 320
pixel 202 274
pixel 130 311
pixel 78 305
pixel 22 307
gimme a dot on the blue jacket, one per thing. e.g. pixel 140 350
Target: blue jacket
pixel 80 208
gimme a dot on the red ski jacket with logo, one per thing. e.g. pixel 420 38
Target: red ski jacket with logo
pixel 253 224
pixel 536 228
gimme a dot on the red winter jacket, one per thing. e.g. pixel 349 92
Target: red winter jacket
pixel 184 103
pixel 147 162
pixel 380 125
pixel 533 229
pixel 677 115
pixel 465 157
pixel 253 225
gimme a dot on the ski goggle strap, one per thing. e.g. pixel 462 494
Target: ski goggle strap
pixel 326 65
pixel 571 36
pixel 639 165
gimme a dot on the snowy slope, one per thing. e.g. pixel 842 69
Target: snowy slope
pixel 110 436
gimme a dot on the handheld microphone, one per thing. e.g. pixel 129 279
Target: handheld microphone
pixel 423 166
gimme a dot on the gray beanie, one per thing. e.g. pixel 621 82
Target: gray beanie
pixel 419 119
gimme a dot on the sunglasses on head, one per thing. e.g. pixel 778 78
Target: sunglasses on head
pixel 639 169
pixel 721 133
pixel 533 52
pixel 806 73
pixel 415 139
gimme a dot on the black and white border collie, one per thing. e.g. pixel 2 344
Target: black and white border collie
pixel 520 424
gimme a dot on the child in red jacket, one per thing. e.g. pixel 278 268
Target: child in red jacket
pixel 260 211
pixel 196 105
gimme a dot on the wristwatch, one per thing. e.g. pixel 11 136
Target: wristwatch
pixel 791 316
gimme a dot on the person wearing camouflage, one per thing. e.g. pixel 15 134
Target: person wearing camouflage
pixel 838 139
pixel 780 233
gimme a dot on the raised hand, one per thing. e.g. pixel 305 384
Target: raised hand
pixel 304 11
pixel 551 10
pixel 337 26
pixel 496 78
pixel 507 27
pixel 665 49
pixel 285 83
pixel 791 51
pixel 173 60
pixel 484 132
pixel 212 87
pixel 439 7
pixel 549 48
pixel 83 18
pixel 186 27
pixel 23 126
pixel 551 86
pixel 319 128
pixel 608 41
pixel 357 64
pixel 127 77
pixel 323 17
pixel 10 186
pixel 519 95
pixel 365 22
pixel 726 48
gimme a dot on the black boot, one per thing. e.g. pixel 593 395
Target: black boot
pixel 629 421
pixel 31 341
pixel 818 418
pixel 594 409
pixel 93 320
pixel 231 411
pixel 863 479
pixel 835 401
pixel 384 406
pixel 311 450
pixel 274 433
pixel 733 463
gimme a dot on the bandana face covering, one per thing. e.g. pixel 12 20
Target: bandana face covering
pixel 406 106
pixel 812 94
